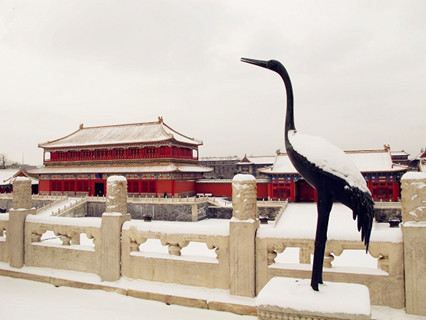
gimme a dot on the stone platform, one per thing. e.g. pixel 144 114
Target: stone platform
pixel 294 299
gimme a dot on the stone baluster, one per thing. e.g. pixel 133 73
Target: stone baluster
pixel 305 255
pixel 21 207
pixel 175 243
pixel 242 236
pixel 413 196
pixel 112 221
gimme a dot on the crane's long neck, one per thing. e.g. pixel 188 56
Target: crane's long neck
pixel 289 116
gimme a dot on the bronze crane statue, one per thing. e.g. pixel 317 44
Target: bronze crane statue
pixel 328 170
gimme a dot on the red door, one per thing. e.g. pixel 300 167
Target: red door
pixel 305 193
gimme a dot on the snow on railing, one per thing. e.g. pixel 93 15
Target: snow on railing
pixel 170 200
pixel 62 243
pixel 288 253
pixel 142 255
pixel 6 195
pixel 4 223
pixel 384 204
pixel 4 243
pixel 56 200
pixel 69 207
pixel 68 229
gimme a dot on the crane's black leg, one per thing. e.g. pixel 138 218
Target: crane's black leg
pixel 324 204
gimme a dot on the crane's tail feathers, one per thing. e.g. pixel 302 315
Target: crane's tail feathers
pixel 363 211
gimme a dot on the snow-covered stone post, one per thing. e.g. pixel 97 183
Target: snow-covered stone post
pixel 21 207
pixel 242 236
pixel 112 221
pixel 414 232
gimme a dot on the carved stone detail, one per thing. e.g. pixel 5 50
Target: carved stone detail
pixel 175 243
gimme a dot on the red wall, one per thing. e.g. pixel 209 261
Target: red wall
pixel 221 189
pixel 184 187
pixel 165 186
pixel 262 190
pixel 43 186
pixel 216 189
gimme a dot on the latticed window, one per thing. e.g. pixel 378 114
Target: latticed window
pixel 83 185
pixel 134 153
pixel 148 186
pixel 119 153
pixel 133 186
pixel 56 185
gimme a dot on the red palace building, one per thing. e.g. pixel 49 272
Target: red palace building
pixel 381 174
pixel 155 159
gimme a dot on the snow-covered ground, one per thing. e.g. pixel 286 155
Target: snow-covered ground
pixel 25 299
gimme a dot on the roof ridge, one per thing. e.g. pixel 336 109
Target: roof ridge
pixel 122 125
pixel 82 127
pixel 47 142
pixel 185 136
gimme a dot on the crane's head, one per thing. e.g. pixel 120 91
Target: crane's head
pixel 273 65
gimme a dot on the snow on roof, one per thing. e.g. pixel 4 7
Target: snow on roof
pixel 422 154
pixel 259 160
pixel 226 158
pixel 365 160
pixel 168 168
pixel 148 132
pixel 401 153
pixel 6 174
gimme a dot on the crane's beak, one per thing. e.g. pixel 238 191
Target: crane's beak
pixel 260 63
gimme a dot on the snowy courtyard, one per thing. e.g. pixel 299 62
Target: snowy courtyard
pixel 25 299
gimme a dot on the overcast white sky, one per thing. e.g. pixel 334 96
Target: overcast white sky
pixel 358 70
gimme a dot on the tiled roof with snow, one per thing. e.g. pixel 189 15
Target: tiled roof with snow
pixel 422 154
pixel 365 160
pixel 149 132
pixel 259 160
pixel 226 158
pixel 150 168
pixel 6 174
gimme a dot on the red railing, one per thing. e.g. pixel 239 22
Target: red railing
pixel 122 154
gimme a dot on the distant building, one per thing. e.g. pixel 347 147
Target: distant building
pixel 156 160
pixel 6 179
pixel 252 164
pixel 421 160
pixel 228 167
pixel 400 157
pixel 222 167
pixel 381 174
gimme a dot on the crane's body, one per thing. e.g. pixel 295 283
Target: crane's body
pixel 328 170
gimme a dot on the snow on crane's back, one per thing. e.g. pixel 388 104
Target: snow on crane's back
pixel 328 157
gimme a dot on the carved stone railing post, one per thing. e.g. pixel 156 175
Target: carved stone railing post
pixel 414 232
pixel 305 256
pixel 174 242
pixel 112 221
pixel 21 207
pixel 242 236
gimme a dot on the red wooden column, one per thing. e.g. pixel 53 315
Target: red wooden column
pixel 395 191
pixel 293 191
pixel 173 187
